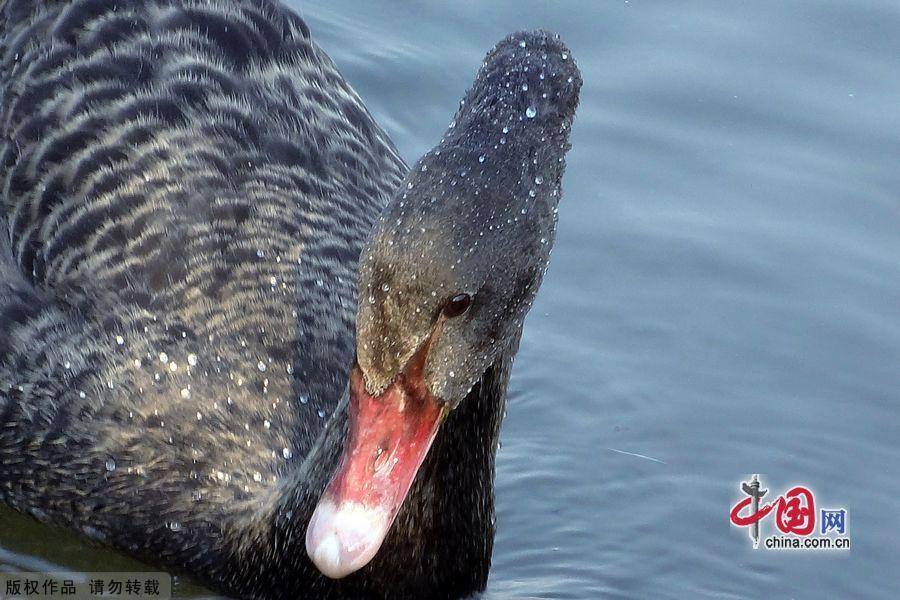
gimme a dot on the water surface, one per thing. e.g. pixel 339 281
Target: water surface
pixel 723 297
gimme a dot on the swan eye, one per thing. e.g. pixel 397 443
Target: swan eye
pixel 457 305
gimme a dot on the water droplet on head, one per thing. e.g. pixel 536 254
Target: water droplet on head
pixel 286 453
pixel 261 366
pixel 530 112
pixel 192 360
pixel 110 465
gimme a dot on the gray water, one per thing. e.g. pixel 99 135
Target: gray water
pixel 723 298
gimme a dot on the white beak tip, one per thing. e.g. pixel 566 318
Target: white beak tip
pixel 326 555
pixel 343 539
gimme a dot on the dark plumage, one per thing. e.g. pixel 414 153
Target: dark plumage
pixel 187 187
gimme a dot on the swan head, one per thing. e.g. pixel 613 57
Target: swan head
pixel 445 280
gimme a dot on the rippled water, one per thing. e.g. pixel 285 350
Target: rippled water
pixel 723 297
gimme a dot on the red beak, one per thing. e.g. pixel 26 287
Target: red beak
pixel 388 438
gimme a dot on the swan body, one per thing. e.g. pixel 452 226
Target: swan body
pixel 187 190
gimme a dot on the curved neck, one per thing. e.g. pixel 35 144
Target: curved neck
pixel 441 541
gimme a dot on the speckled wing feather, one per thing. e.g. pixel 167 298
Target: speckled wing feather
pixel 186 187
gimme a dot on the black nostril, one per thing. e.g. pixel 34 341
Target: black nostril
pixel 457 305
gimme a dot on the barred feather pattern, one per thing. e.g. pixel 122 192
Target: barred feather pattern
pixel 186 187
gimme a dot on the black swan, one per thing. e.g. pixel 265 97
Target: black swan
pixel 239 338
